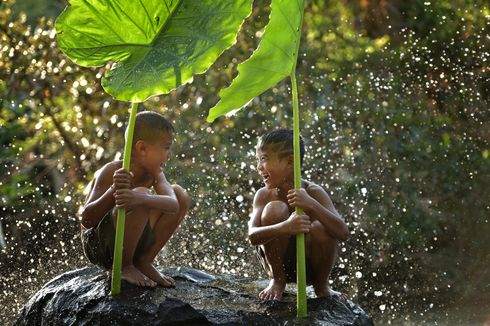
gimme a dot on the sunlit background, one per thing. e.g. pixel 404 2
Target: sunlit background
pixel 395 113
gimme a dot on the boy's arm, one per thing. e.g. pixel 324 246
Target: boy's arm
pixel 100 199
pixel 317 204
pixel 165 199
pixel 258 234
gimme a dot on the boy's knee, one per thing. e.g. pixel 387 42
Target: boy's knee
pixel 183 197
pixel 274 212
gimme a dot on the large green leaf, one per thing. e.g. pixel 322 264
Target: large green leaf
pixel 156 45
pixel 274 59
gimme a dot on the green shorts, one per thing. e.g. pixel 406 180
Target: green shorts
pixel 98 242
pixel 289 263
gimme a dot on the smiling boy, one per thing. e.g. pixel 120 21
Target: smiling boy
pixel 154 208
pixel 274 224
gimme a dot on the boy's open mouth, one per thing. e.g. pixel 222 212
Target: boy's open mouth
pixel 265 177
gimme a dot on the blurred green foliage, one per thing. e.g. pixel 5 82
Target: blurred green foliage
pixel 395 110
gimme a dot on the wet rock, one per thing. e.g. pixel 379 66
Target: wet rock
pixel 82 297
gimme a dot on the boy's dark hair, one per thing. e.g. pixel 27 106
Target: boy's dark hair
pixel 148 124
pixel 281 141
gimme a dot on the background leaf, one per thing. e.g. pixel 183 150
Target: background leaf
pixel 273 60
pixel 155 45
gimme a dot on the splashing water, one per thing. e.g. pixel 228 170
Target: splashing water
pixel 396 126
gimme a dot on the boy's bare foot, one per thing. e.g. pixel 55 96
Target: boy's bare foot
pixel 329 292
pixel 132 275
pixel 273 292
pixel 155 275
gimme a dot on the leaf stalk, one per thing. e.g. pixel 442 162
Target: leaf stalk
pixel 121 212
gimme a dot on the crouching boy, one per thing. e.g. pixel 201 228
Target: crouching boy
pixel 274 224
pixel 154 208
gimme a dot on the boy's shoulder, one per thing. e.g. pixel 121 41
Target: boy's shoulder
pixel 109 168
pixel 113 165
pixel 264 191
pixel 312 187
pixel 264 195
pixel 316 191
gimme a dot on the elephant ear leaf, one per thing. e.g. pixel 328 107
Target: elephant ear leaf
pixel 274 59
pixel 154 45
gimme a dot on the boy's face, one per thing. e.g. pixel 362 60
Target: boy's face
pixel 158 152
pixel 275 171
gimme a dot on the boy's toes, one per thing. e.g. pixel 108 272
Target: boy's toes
pixel 149 283
pixel 261 295
pixel 169 282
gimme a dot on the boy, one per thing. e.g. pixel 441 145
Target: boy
pixel 154 208
pixel 274 224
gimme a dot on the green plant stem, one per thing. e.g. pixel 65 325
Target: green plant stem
pixel 301 304
pixel 121 212
pixel 300 238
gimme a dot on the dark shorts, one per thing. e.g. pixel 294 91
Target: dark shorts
pixel 289 263
pixel 98 242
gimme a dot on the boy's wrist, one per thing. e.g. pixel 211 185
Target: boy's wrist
pixel 139 197
pixel 111 190
pixel 283 228
pixel 310 207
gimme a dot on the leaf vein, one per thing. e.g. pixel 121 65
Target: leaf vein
pixel 289 56
pixel 129 18
pixel 148 16
pixel 97 14
pixel 287 20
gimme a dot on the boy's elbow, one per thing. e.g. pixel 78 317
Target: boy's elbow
pixel 253 239
pixel 174 207
pixel 345 234
pixel 182 202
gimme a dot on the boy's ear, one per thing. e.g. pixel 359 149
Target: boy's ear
pixel 139 146
pixel 291 159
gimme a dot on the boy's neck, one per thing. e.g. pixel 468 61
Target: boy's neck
pixel 138 171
